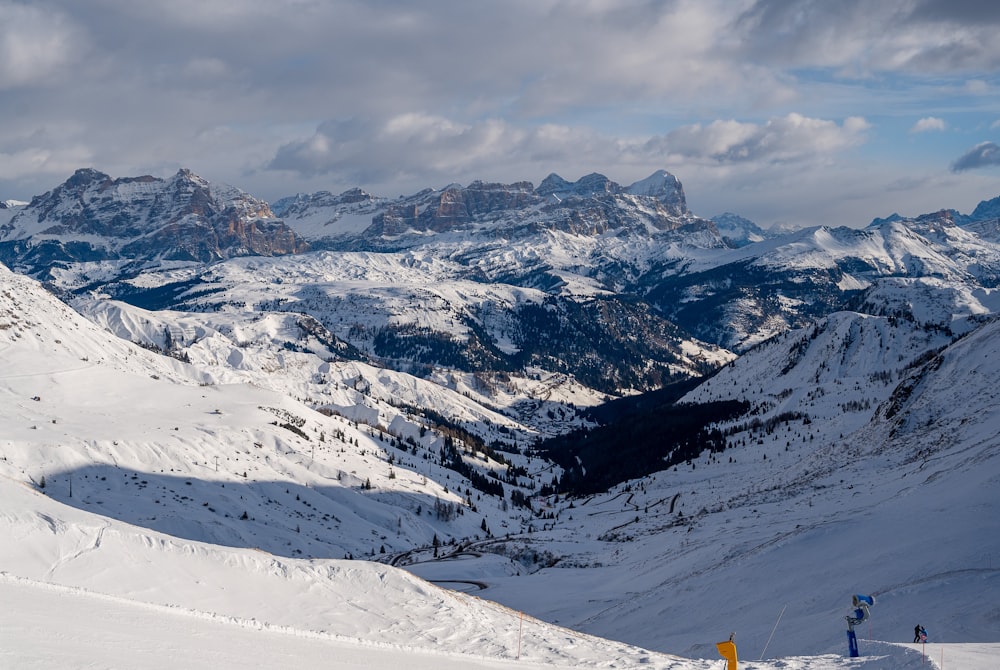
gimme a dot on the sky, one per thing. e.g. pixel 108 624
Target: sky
pixel 791 112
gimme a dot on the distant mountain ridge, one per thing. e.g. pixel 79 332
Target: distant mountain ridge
pixel 743 297
pixel 739 231
pixel 523 278
pixel 621 286
pixel 592 205
pixel 91 217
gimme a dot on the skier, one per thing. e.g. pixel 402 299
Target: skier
pixel 919 633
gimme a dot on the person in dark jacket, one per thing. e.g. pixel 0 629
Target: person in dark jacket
pixel 919 633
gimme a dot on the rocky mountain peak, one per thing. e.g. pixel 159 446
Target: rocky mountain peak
pixel 82 180
pixel 592 205
pixel 85 177
pixel 92 217
pixel 595 184
pixel 661 185
pixel 665 187
pixel 453 207
pixel 302 203
pixel 987 209
pixel 878 221
pixel 657 184
pixel 588 185
pixel 553 184
pixel 739 231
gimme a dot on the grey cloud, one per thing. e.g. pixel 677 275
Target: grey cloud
pixel 957 11
pixel 340 147
pixel 984 154
pixel 34 44
pixel 409 146
pixel 859 37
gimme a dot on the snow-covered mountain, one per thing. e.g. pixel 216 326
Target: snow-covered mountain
pixel 587 278
pixel 742 297
pixel 132 482
pixel 489 279
pixel 345 402
pixel 739 231
pixel 91 217
pixel 591 205
pixel 857 462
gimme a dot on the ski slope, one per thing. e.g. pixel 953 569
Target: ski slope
pixel 43 627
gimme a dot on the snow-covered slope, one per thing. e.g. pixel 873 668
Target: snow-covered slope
pixel 741 297
pixel 739 231
pixel 867 463
pixel 421 313
pixel 124 475
pixel 129 474
pixel 111 427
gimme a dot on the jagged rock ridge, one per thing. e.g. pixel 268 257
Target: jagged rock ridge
pixel 592 205
pixel 93 217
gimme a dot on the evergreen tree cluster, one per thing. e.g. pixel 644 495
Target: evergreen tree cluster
pixel 452 459
pixel 636 444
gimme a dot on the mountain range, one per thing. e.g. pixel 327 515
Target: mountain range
pixel 425 382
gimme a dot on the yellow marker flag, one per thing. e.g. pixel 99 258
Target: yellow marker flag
pixel 727 650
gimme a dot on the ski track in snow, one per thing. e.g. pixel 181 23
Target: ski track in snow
pixel 98 630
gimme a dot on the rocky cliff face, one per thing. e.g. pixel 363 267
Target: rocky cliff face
pixel 453 207
pixel 94 217
pixel 297 204
pixel 986 210
pixel 592 205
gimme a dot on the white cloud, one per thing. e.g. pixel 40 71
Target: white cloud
pixel 431 147
pixel 34 44
pixel 790 138
pixel 54 163
pixel 928 124
pixel 978 87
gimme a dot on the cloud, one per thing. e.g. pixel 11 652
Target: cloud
pixel 977 87
pixel 52 163
pixel 412 146
pixel 790 138
pixel 962 11
pixel 34 44
pixel 984 154
pixel 858 37
pixel 425 149
pixel 927 124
